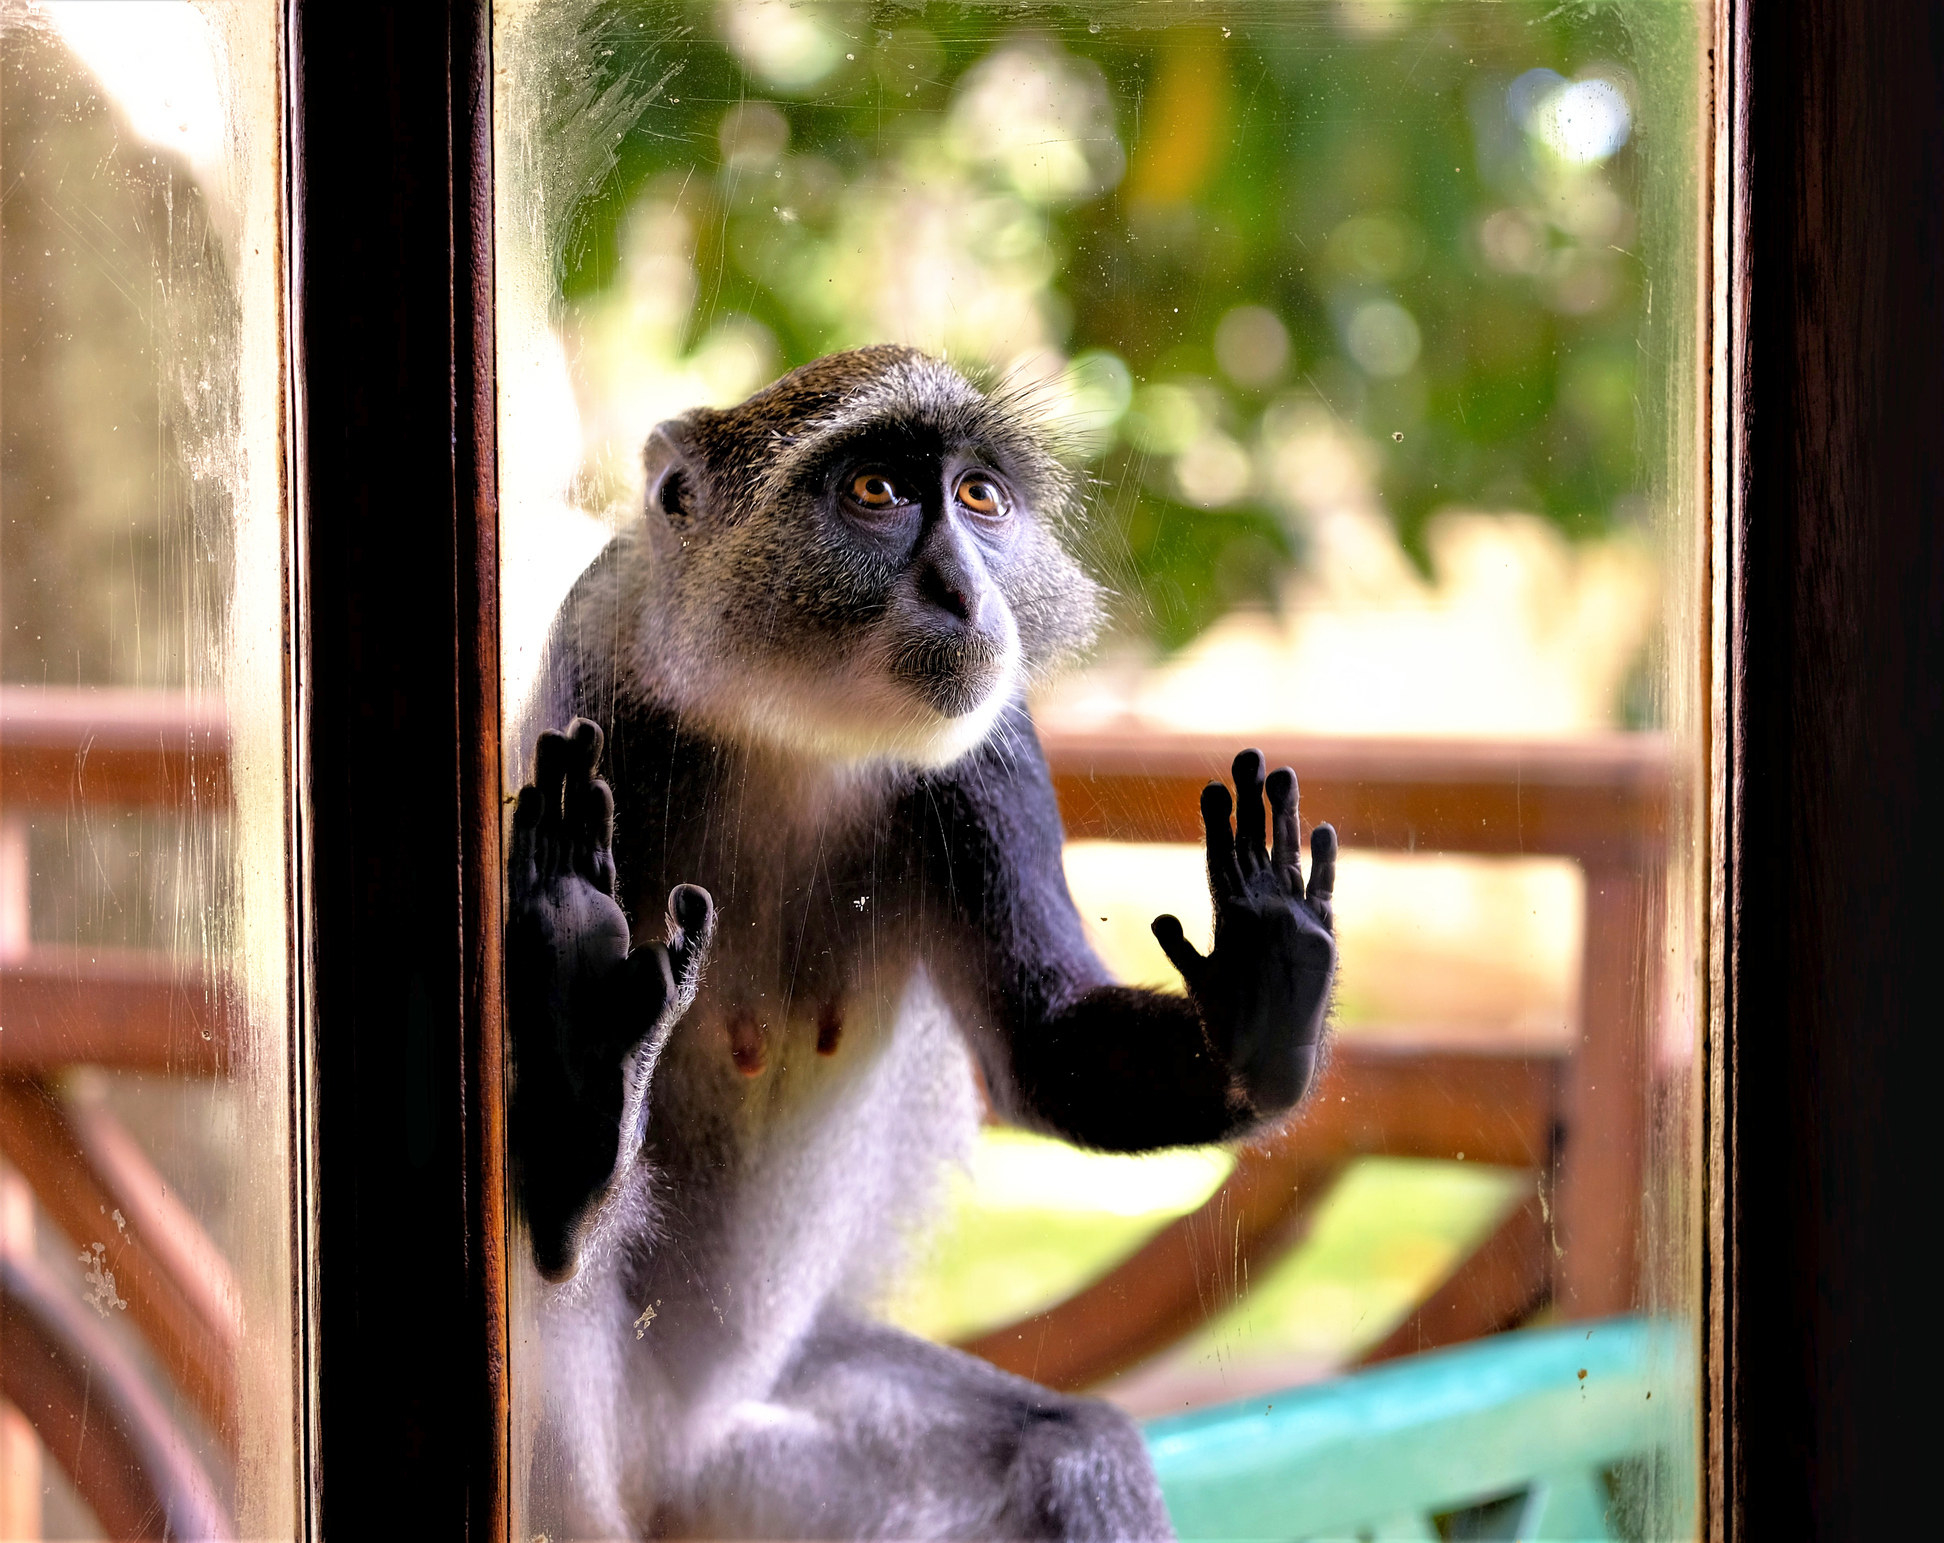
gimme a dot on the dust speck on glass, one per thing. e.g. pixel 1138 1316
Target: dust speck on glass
pixel 1311 377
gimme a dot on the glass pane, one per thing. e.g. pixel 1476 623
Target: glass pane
pixel 147 1057
pixel 1365 333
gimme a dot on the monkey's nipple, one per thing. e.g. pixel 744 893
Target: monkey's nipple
pixel 830 1026
pixel 748 1045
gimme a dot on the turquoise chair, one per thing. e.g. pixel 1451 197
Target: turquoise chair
pixel 1510 1437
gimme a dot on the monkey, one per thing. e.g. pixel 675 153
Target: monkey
pixel 794 703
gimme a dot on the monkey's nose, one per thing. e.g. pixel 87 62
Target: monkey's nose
pixel 949 593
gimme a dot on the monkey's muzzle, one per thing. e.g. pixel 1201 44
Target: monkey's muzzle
pixel 951 674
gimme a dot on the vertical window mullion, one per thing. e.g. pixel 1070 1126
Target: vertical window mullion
pixel 1832 744
pixel 393 275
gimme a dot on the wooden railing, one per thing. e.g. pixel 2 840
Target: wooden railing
pixel 93 753
pixel 99 751
pixel 1577 1118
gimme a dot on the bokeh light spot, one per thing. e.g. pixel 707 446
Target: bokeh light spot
pixel 786 46
pixel 1383 338
pixel 1584 122
pixel 1252 346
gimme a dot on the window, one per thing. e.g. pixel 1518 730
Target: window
pixel 1346 315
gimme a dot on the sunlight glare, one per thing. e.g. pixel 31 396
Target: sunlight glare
pixel 1012 1170
pixel 157 61
pixel 1584 122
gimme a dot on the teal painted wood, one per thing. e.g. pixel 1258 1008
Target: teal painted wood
pixel 1409 1528
pixel 1433 1433
pixel 1566 1508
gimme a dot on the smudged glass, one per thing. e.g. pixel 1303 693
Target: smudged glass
pixel 148 1066
pixel 1373 327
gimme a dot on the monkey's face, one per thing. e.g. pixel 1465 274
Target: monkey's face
pixel 867 577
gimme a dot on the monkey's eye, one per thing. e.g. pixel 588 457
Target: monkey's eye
pixel 874 490
pixel 982 495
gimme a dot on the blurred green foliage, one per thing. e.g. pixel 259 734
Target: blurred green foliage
pixel 1385 209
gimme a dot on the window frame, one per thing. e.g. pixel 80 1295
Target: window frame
pixel 1825 649
pixel 1824 457
pixel 396 675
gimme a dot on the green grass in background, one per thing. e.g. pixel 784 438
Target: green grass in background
pixel 1034 1221
pixel 1388 1233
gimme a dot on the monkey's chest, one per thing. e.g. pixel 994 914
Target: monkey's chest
pixel 785 994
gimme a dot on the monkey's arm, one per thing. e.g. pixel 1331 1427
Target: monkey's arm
pixel 586 1017
pixel 1120 1067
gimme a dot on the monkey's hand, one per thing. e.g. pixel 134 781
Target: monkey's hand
pixel 587 1017
pixel 1263 991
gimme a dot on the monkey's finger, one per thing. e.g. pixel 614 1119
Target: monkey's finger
pixel 590 815
pixel 1182 954
pixel 691 918
pixel 1323 856
pixel 551 847
pixel 589 811
pixel 1287 854
pixel 644 986
pixel 692 911
pixel 550 757
pixel 587 740
pixel 663 964
pixel 1224 877
pixel 1250 850
pixel 522 871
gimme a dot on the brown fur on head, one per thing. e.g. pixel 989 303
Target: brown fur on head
pixel 791 601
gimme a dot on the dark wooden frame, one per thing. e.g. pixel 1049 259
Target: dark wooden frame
pixel 397 684
pixel 1829 716
pixel 1828 410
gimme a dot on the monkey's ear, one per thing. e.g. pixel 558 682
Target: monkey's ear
pixel 674 487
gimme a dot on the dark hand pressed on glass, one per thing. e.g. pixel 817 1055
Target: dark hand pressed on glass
pixel 1264 990
pixel 589 1016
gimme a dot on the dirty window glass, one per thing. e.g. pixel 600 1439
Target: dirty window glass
pixel 1366 333
pixel 147 1283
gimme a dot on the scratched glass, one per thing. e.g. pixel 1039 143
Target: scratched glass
pixel 1371 329
pixel 147 1225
